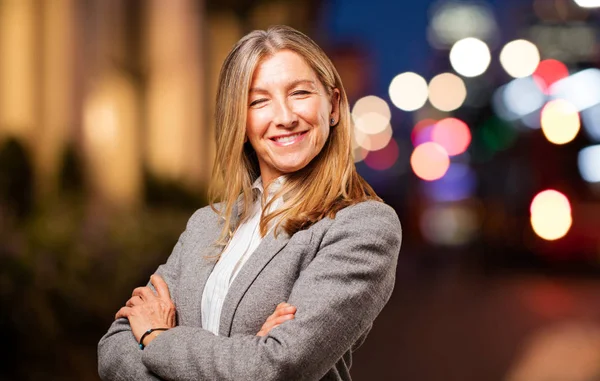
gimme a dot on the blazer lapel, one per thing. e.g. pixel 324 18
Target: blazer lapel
pixel 266 250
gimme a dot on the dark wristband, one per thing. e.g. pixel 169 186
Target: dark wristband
pixel 142 346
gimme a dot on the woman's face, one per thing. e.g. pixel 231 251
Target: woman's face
pixel 289 114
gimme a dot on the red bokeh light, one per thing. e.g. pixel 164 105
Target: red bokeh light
pixel 452 134
pixel 383 158
pixel 549 72
pixel 421 132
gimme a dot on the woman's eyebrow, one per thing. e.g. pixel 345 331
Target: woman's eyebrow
pixel 289 86
pixel 302 82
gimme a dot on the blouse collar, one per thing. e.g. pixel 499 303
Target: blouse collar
pixel 274 187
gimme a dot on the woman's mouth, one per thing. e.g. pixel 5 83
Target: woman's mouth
pixel 287 140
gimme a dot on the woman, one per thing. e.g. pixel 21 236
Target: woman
pixel 297 231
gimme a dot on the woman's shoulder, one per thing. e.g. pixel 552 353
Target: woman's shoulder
pixel 367 215
pixel 368 211
pixel 204 215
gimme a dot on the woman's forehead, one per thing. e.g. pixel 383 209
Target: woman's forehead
pixel 283 66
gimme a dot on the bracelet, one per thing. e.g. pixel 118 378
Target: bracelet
pixel 142 346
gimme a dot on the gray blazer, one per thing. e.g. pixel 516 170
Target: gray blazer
pixel 339 273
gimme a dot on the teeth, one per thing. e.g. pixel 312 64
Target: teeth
pixel 287 139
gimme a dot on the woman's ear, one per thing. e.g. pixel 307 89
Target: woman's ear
pixel 334 118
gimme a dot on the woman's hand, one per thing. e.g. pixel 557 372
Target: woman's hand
pixel 283 312
pixel 146 309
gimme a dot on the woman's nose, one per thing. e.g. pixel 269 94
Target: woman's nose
pixel 284 116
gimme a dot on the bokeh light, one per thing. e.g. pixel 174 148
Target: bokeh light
pixel 408 91
pixel 549 72
pixel 522 96
pixel 591 122
pixel 373 142
pixel 551 215
pixel 500 107
pixel 588 162
pixel 449 224
pixel 588 3
pixel 430 161
pixel 519 58
pixel 560 121
pixel 447 92
pixel 452 134
pixel 384 158
pixel 496 135
pixel 458 184
pixel 421 132
pixel 470 57
pixel 359 153
pixel 582 89
pixel 371 114
pixel 453 21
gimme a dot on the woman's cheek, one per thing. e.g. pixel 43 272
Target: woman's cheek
pixel 307 112
pixel 258 122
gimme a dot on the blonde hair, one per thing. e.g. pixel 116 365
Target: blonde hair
pixel 327 184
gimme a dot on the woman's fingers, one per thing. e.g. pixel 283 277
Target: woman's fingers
pixel 282 313
pixel 269 325
pixel 281 319
pixel 134 301
pixel 161 286
pixel 124 312
pixel 282 310
pixel 144 293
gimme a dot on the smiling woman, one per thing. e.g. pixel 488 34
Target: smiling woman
pixel 290 114
pixel 283 275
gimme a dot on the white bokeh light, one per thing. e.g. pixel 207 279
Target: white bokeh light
pixel 588 3
pixel 447 92
pixel 470 57
pixel 408 91
pixel 371 114
pixel 588 162
pixel 520 58
pixel 582 89
pixel 522 96
pixel 373 142
pixel 591 122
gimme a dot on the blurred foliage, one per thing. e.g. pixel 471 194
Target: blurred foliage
pixel 68 265
pixel 16 178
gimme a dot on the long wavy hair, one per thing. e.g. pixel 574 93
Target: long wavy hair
pixel 327 184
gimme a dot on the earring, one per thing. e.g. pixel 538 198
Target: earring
pixel 332 121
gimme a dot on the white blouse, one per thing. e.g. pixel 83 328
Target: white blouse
pixel 244 242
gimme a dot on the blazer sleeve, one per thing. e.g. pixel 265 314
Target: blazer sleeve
pixel 338 296
pixel 119 357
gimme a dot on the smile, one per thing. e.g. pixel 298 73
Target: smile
pixel 284 141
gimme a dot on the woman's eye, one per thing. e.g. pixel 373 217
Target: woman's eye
pixel 256 102
pixel 300 92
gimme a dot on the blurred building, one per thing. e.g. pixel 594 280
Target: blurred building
pixel 128 85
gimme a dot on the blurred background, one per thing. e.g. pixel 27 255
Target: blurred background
pixel 478 121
